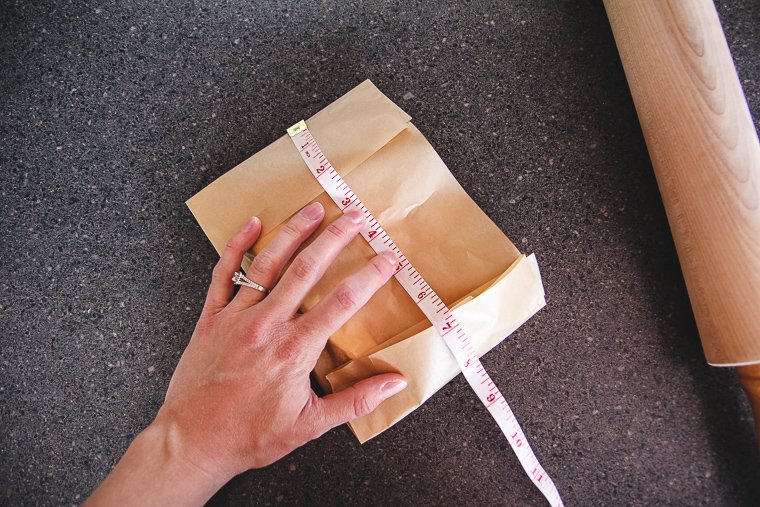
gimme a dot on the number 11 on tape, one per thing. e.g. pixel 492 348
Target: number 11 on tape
pixel 431 305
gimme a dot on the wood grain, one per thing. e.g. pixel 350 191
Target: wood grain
pixel 706 156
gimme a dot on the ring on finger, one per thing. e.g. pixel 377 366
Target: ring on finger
pixel 240 279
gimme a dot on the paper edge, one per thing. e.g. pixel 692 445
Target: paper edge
pixel 532 264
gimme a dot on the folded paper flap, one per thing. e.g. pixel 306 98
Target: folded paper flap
pixel 349 131
pixel 425 323
pixel 425 360
pixel 345 375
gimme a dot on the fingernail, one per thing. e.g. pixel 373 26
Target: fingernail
pixel 313 211
pixel 390 257
pixel 393 386
pixel 250 223
pixel 356 216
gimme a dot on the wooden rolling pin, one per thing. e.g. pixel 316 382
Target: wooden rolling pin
pixel 706 156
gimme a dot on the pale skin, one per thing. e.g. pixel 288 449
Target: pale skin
pixel 241 397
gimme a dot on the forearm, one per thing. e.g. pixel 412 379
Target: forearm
pixel 154 472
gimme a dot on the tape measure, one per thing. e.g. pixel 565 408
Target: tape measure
pixel 431 305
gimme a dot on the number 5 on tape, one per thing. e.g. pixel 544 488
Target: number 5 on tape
pixel 431 305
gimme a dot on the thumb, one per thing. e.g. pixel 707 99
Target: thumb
pixel 357 401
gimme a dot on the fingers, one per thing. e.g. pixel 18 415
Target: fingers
pixel 346 299
pixel 309 266
pixel 220 290
pixel 356 401
pixel 267 265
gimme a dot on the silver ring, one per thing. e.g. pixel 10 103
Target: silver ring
pixel 240 279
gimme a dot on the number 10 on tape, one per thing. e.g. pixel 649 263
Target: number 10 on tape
pixel 431 305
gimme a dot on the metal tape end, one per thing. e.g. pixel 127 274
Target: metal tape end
pixel 297 128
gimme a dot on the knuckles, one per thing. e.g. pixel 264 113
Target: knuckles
pixel 294 228
pixel 206 323
pixel 263 263
pixel 218 272
pixel 336 230
pixel 256 331
pixel 384 269
pixel 288 351
pixel 346 297
pixel 280 339
pixel 261 327
pixel 233 245
pixel 303 267
pixel 361 406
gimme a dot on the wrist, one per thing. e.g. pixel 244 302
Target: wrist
pixel 165 438
pixel 157 470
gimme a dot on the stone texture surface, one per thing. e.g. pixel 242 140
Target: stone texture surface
pixel 112 114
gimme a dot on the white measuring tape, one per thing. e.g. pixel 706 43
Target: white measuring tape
pixel 431 305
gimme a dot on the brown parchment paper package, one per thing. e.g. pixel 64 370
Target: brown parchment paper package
pixel 464 257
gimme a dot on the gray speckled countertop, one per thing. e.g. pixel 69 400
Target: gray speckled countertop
pixel 112 115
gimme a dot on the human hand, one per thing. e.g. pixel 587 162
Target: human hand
pixel 241 397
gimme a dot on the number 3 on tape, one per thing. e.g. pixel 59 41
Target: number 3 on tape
pixel 431 305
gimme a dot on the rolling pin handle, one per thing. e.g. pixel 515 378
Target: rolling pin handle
pixel 749 376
